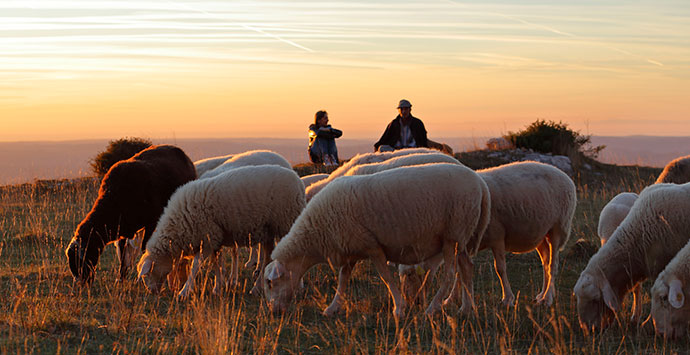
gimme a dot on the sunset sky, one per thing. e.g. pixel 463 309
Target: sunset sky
pixel 190 69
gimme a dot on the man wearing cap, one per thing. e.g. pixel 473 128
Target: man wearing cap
pixel 405 131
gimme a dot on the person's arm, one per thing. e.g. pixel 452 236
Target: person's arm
pixel 386 137
pixel 328 132
pixel 421 137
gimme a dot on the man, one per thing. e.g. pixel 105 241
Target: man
pixel 405 131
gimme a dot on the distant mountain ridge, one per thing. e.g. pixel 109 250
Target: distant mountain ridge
pixel 25 161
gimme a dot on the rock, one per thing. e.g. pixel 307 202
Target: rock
pixel 498 143
pixel 560 161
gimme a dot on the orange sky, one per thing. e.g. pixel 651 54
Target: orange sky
pixel 103 69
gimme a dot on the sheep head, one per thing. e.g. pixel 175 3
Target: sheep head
pixel 596 301
pixel 82 260
pixel 669 310
pixel 279 285
pixel 153 271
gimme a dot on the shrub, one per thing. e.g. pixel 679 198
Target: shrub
pixel 121 149
pixel 555 138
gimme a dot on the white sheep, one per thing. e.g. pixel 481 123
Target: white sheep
pixel 677 171
pixel 614 213
pixel 206 164
pixel 313 178
pixel 669 311
pixel 204 215
pixel 653 232
pixel 532 207
pixel 400 161
pixel 360 159
pixel 610 218
pixel 403 215
pixel 250 158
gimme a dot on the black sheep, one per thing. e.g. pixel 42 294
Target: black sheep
pixel 132 196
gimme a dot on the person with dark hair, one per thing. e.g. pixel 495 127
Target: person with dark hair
pixel 322 149
pixel 405 131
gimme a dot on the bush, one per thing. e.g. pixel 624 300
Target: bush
pixel 555 138
pixel 121 149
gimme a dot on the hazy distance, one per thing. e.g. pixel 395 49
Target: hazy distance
pixel 26 161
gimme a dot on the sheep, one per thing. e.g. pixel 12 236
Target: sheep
pixel 653 232
pixel 227 162
pixel 403 215
pixel 204 165
pixel 250 158
pixel 132 196
pixel 404 160
pixel 313 178
pixel 360 159
pixel 206 214
pixel 532 207
pixel 669 311
pixel 677 171
pixel 614 213
pixel 610 218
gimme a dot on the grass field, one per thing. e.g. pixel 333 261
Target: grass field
pixel 43 312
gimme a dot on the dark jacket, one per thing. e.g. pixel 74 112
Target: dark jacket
pixel 392 133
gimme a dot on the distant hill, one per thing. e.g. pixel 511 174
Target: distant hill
pixel 25 161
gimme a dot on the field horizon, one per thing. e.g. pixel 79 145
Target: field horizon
pixel 22 162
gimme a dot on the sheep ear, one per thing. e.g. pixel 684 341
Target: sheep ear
pixel 277 271
pixel 145 267
pixel 610 298
pixel 676 297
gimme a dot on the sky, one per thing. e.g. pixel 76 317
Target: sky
pixel 219 68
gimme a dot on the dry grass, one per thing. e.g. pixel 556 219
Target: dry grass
pixel 43 312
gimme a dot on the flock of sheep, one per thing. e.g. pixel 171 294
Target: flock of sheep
pixel 417 208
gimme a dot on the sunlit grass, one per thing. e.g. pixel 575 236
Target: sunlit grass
pixel 43 312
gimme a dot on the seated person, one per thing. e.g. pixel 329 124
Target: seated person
pixel 405 131
pixel 322 149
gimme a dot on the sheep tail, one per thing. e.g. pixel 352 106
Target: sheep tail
pixel 485 214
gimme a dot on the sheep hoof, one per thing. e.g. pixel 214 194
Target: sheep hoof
pixel 508 301
pixel 331 311
pixel 256 290
pixel 546 301
pixel 431 310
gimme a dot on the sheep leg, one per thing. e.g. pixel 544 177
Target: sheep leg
pixel 343 279
pixel 189 285
pixel 450 260
pixel 235 267
pixel 553 239
pixel 637 303
pixel 218 267
pixel 253 260
pixel 544 251
pixel 265 251
pixel 381 264
pixel 121 251
pixel 500 267
pixel 466 269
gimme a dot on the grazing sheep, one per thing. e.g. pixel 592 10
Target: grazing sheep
pixel 532 207
pixel 610 218
pixel 614 213
pixel 388 216
pixel 676 172
pixel 250 158
pixel 360 159
pixel 204 165
pixel 653 232
pixel 132 196
pixel 313 178
pixel 405 160
pixel 669 311
pixel 207 214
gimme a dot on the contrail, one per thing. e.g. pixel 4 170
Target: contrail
pixel 553 30
pixel 251 28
